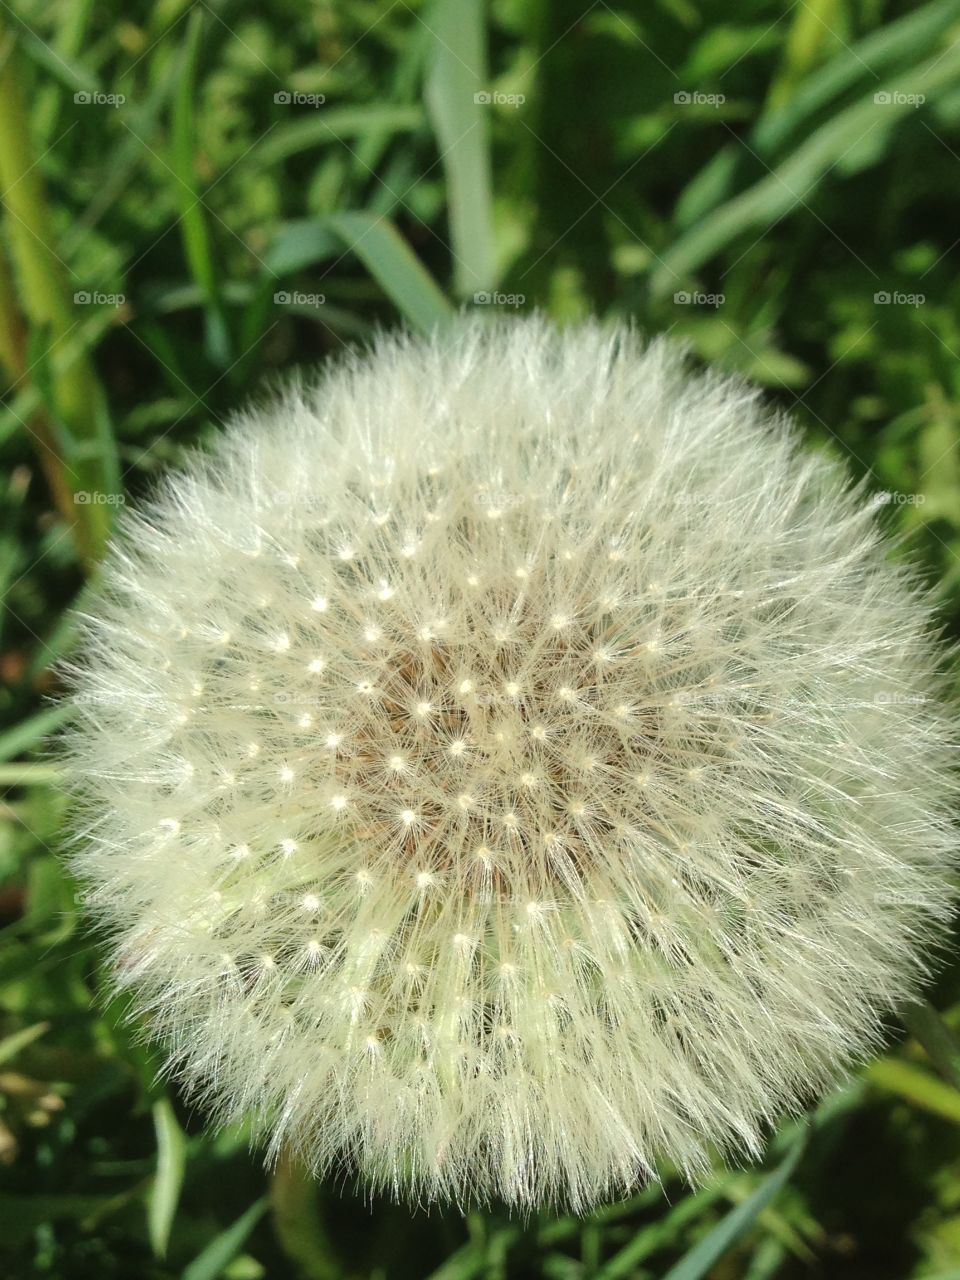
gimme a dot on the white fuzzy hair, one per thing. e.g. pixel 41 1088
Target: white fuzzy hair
pixel 512 761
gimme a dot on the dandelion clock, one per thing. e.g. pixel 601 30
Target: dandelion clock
pixel 511 761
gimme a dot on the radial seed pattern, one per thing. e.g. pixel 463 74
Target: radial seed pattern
pixel 511 762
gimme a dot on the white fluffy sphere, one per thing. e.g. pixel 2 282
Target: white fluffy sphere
pixel 512 761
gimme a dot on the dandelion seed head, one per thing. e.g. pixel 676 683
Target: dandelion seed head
pixel 556 780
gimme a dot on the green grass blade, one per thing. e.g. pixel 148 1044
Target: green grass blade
pixel 11 1045
pixel 297 1220
pixel 708 1251
pixel 25 1215
pixel 402 89
pixel 460 122
pixel 70 73
pixel 164 1193
pixel 300 244
pixel 12 337
pixel 942 1046
pixel 709 188
pixel 396 268
pixel 66 44
pixel 813 27
pixel 224 1247
pixel 795 180
pixel 74 414
pixel 118 166
pixel 659 1234
pixel 331 126
pixel 916 1086
pixel 903 42
pixel 29 733
pixel 472 1259
pixel 907 40
pixel 197 242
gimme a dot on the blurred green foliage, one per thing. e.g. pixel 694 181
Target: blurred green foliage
pixel 198 196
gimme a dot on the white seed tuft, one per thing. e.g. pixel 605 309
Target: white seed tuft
pixel 624 815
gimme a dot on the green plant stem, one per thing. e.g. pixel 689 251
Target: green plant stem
pixel 13 344
pixel 294 1197
pixel 13 359
pixel 76 447
pixel 29 773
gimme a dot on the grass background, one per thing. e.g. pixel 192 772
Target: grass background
pixel 183 220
